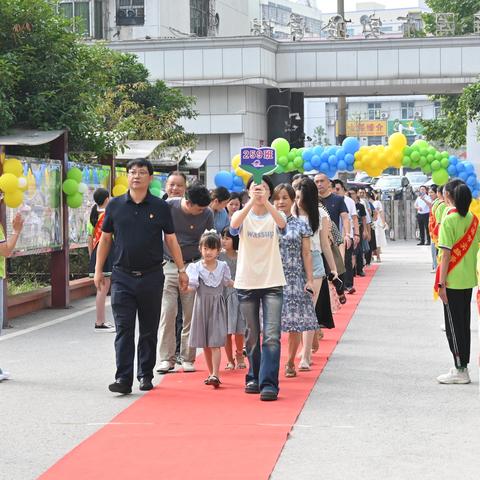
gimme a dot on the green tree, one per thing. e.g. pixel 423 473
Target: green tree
pixel 51 79
pixel 320 136
pixel 451 128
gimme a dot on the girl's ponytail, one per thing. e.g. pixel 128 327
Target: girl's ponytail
pixel 462 196
pixel 94 215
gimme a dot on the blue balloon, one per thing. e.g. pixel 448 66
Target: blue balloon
pixel 331 172
pixel 453 159
pixel 463 176
pixel 342 166
pixel 318 150
pixel 340 154
pixel 324 157
pixel 238 189
pixel 332 160
pixel 307 166
pixel 331 150
pixel 307 154
pixel 349 158
pixel 351 145
pixel 223 179
pixel 460 167
pixel 350 168
pixel 472 181
pixel 475 194
pixel 469 167
pixel 237 181
pixel 315 161
pixel 324 167
pixel 452 170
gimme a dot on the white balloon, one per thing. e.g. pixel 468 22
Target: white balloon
pixel 22 182
pixel 82 188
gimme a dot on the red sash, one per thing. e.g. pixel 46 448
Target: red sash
pixel 97 231
pixel 459 250
pixel 433 225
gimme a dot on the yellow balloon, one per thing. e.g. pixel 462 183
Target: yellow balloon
pixel 359 156
pixel 358 165
pixel 397 140
pixel 122 180
pixel 8 182
pixel 119 190
pixel 14 166
pixel 236 161
pixel 14 199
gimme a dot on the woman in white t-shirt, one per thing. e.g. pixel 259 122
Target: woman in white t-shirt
pixel 380 226
pixel 259 281
pixel 306 204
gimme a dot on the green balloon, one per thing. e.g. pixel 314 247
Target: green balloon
pixel 431 150
pixel 427 169
pixel 438 156
pixel 70 186
pixel 415 156
pixel 290 167
pixel 157 184
pixel 430 158
pixel 445 162
pixel 407 151
pixel 406 162
pixel 298 162
pixel 281 146
pixel 155 191
pixel 282 161
pixel 279 169
pixel 291 156
pixel 423 161
pixel 75 174
pixel 445 154
pixel 423 152
pixel 440 177
pixel 75 200
pixel 436 165
pixel 295 151
pixel 420 144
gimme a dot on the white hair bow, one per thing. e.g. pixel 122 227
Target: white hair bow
pixel 210 231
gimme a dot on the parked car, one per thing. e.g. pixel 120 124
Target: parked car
pixel 416 179
pixel 394 186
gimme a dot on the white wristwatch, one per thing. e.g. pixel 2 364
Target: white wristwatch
pixel 182 270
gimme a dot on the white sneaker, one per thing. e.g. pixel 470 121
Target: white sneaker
pixel 455 376
pixel 188 367
pixel 304 367
pixel 4 375
pixel 165 367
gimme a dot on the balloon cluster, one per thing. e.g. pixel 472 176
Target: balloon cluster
pixel 121 186
pixel 74 188
pixel 13 183
pixel 156 188
pixel 288 159
pixel 235 180
pixel 465 171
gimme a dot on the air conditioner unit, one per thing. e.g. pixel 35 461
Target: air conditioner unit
pixel 417 114
pixel 130 15
pixel 331 122
pixel 384 115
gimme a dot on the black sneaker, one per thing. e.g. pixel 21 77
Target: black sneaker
pixel 119 387
pixel 268 395
pixel 252 387
pixel 105 327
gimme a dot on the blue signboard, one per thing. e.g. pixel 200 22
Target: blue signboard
pixel 258 161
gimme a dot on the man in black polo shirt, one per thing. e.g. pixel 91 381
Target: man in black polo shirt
pixel 138 220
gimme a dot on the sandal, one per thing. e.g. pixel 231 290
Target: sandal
pixel 230 365
pixel 290 371
pixel 214 381
pixel 304 367
pixel 240 361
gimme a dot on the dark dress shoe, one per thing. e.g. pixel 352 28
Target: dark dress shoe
pixel 119 387
pixel 361 274
pixel 145 384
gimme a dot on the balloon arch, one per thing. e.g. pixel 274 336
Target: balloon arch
pixel 351 157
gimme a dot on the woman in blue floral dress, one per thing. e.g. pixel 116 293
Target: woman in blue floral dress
pixel 298 311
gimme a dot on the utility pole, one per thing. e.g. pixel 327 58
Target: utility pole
pixel 342 100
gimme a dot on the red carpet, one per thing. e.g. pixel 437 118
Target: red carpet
pixel 184 428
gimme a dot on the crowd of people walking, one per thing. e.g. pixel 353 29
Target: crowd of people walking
pixel 218 270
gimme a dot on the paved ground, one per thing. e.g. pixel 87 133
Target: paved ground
pixel 375 413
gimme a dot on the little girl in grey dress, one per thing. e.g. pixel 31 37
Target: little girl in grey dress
pixel 209 321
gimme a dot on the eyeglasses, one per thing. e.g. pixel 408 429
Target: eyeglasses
pixel 139 173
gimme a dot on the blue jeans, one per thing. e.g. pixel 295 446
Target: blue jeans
pixel 264 361
pixel 434 256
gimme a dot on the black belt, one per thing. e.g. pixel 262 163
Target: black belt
pixel 138 273
pixel 196 259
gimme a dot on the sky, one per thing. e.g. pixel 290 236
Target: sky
pixel 331 5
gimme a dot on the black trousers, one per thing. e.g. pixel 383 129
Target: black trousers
pixel 131 296
pixel 422 219
pixel 348 275
pixel 178 325
pixel 457 312
pixel 358 252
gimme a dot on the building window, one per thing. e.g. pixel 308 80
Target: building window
pixel 374 111
pixel 79 13
pixel 408 110
pixel 199 14
pixel 313 26
pixel 130 12
pixel 437 110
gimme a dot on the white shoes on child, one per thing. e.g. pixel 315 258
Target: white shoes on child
pixel 455 376
pixel 4 375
